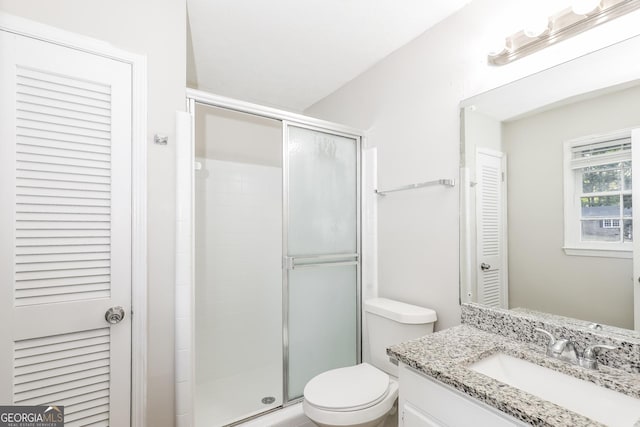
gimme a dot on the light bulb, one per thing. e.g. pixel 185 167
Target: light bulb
pixel 536 26
pixel 585 7
pixel 497 45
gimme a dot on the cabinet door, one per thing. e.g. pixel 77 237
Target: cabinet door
pixel 413 417
pixel 442 405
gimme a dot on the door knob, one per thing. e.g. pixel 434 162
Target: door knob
pixel 114 315
pixel 484 266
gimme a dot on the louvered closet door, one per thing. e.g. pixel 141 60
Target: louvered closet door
pixel 490 216
pixel 65 230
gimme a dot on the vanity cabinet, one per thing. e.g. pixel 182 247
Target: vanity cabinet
pixel 425 402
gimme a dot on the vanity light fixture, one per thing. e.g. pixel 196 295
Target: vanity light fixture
pixel 581 16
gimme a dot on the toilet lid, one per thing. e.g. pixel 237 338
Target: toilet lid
pixel 347 389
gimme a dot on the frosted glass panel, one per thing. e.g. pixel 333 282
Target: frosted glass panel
pixel 322 322
pixel 323 235
pixel 322 193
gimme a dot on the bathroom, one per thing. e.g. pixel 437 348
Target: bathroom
pixel 407 104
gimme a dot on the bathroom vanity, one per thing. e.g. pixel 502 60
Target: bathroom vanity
pixel 493 370
pixel 428 402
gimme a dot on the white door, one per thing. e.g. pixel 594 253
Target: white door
pixel 490 216
pixel 65 230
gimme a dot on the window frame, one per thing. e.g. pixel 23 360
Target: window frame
pixel 573 244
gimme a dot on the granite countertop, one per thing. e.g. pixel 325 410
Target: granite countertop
pixel 446 355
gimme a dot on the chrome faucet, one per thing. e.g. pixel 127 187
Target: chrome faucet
pixel 560 348
pixel 566 350
pixel 588 359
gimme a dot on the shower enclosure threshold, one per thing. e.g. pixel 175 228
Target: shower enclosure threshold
pixel 231 400
pixel 289 416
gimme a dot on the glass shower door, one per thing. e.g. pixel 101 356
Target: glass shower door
pixel 322 246
pixel 238 275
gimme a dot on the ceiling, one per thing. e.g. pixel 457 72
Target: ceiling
pixel 292 53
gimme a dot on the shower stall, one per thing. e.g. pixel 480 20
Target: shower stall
pixel 276 257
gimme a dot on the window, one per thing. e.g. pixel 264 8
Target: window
pixel 610 223
pixel 598 208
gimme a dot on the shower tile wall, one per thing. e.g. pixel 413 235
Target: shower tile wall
pixel 183 290
pixel 369 236
pixel 239 243
pixel 238 280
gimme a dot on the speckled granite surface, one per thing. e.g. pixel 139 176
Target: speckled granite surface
pixel 582 325
pixel 520 325
pixel 446 355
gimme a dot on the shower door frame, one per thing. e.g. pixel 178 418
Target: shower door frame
pixel 288 263
pixel 186 395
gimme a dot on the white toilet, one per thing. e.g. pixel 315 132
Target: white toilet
pixel 364 395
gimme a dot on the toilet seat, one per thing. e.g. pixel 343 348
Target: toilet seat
pixel 367 416
pixel 347 389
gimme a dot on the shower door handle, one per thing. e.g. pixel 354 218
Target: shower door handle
pixel 326 264
pixel 291 263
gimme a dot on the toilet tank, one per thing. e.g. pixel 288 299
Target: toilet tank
pixel 392 322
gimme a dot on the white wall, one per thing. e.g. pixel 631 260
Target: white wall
pixel 541 276
pixel 408 103
pixel 157 30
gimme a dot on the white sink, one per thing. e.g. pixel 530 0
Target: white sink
pixel 598 403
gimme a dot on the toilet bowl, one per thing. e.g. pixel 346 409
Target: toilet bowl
pixel 365 395
pixel 357 396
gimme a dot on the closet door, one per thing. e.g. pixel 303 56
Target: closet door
pixel 490 227
pixel 65 230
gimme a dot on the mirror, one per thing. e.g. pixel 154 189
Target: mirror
pixel 546 214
